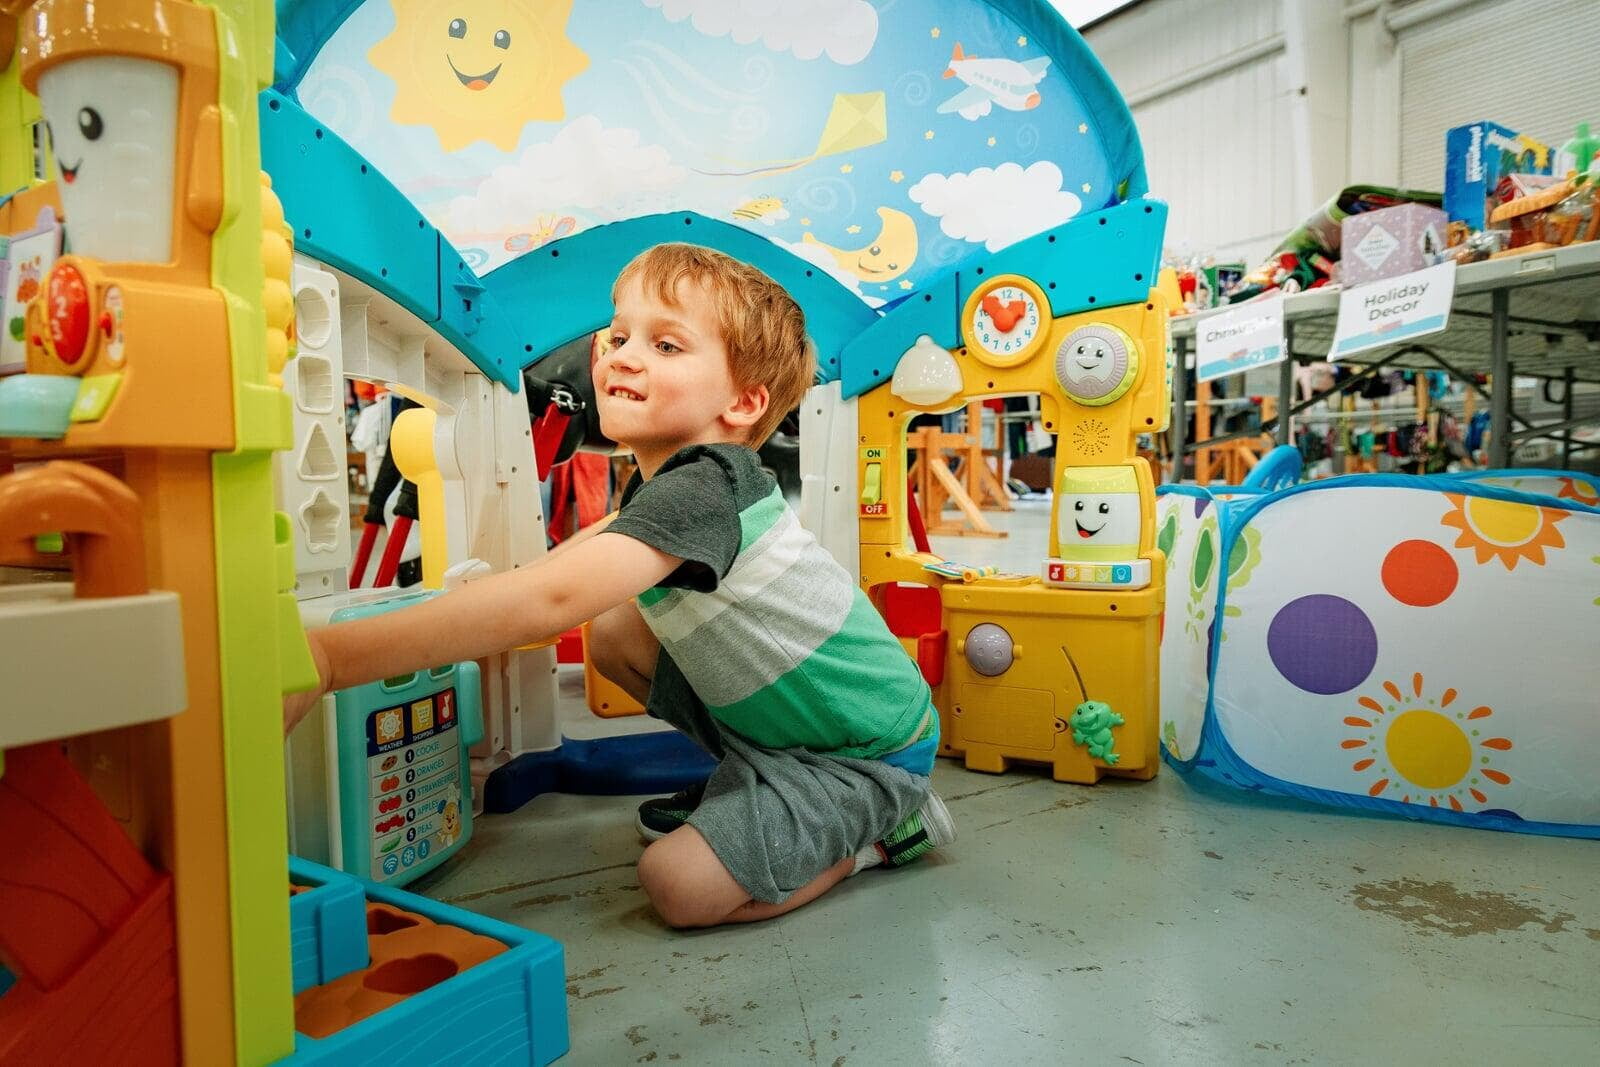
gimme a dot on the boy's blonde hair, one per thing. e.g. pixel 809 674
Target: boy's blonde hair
pixel 761 325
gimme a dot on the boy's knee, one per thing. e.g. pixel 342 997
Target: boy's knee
pixel 683 889
pixel 669 892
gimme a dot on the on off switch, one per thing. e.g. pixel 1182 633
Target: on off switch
pixel 872 484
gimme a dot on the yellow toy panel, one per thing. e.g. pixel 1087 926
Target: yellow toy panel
pixel 1057 667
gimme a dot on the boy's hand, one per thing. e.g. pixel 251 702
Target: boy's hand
pixel 297 705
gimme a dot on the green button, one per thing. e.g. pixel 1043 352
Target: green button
pixel 95 394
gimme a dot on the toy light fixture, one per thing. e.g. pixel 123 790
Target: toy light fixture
pixel 926 375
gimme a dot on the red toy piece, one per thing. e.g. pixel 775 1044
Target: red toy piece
pixel 87 926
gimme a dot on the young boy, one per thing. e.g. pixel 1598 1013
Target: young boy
pixel 713 606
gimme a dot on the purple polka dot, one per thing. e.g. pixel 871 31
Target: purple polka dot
pixel 1323 644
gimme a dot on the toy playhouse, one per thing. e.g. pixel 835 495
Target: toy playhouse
pixel 1314 639
pixel 327 203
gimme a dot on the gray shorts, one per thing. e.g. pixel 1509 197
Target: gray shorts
pixel 777 818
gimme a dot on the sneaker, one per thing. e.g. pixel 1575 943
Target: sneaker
pixel 659 817
pixel 918 834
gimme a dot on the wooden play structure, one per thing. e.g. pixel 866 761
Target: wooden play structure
pixel 955 469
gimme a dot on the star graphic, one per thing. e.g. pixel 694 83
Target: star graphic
pixel 852 229
pixel 1086 187
pixel 934 32
pixel 805 222
pixel 1022 41
pixel 845 168
pixel 897 175
pixel 991 142
pixel 905 283
pixel 927 135
pixel 1083 127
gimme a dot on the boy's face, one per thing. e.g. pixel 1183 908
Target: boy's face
pixel 665 382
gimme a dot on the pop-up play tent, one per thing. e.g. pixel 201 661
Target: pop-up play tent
pixel 1421 647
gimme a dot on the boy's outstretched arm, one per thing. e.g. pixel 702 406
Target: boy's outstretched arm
pixel 493 614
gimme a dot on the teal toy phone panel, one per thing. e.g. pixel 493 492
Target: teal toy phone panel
pixel 405 782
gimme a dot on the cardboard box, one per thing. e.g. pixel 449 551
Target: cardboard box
pixel 1476 157
pixel 1393 240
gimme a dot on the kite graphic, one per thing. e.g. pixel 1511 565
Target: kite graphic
pixel 856 120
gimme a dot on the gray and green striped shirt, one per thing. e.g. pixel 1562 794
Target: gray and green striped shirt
pixel 766 627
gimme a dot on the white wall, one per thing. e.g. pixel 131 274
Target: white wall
pixel 1205 80
pixel 1254 112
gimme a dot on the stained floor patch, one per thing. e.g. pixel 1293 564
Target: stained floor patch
pixel 1441 907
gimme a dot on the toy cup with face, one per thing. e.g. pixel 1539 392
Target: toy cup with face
pixel 1098 516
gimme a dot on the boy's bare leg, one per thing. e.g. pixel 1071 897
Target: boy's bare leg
pixel 688 886
pixel 624 649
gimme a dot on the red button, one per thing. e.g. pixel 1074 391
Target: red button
pixel 107 324
pixel 68 302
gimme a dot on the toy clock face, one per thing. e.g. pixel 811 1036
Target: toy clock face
pixel 1006 322
pixel 1097 364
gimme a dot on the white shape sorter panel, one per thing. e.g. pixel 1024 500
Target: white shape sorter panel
pixel 313 484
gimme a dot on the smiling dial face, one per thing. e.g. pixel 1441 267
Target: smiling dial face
pixel 1096 364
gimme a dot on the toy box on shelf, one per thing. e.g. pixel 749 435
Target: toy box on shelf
pixel 1477 156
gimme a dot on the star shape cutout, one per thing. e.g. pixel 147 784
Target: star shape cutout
pixel 1083 127
pixel 805 222
pixel 897 175
pixel 927 135
pixel 934 32
pixel 991 142
pixel 905 283
pixel 852 229
pixel 1022 41
pixel 1086 187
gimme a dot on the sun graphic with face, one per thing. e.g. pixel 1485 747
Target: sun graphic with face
pixel 1413 747
pixel 1504 530
pixel 476 70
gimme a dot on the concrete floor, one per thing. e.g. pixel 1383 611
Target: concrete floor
pixel 1126 922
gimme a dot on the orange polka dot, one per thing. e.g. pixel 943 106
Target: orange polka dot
pixel 1419 573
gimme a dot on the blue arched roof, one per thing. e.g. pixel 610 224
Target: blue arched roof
pixel 349 214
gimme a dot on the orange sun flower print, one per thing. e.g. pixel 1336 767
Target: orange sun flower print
pixel 1415 748
pixel 1579 490
pixel 1503 530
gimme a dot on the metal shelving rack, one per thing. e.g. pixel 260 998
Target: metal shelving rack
pixel 1535 315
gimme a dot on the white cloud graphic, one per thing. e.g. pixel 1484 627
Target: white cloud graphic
pixel 844 29
pixel 601 174
pixel 998 206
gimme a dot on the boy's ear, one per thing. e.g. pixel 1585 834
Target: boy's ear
pixel 749 405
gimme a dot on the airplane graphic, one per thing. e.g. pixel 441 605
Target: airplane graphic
pixel 993 81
